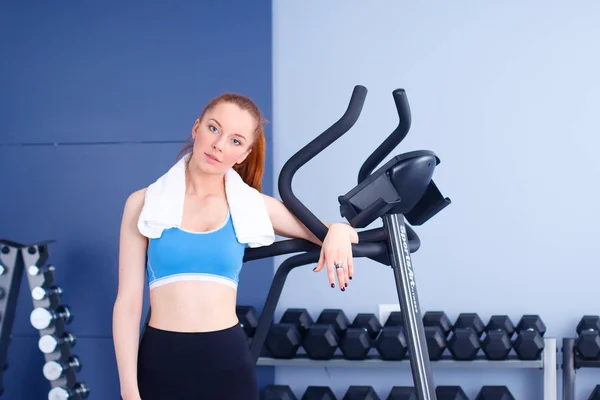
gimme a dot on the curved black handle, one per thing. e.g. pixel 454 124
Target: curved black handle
pixel 308 152
pixel 393 140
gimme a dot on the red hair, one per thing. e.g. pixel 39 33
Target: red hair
pixel 252 168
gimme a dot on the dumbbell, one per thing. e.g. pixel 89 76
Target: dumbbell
pixel 277 392
pixel 359 337
pixel 595 393
pixel 437 326
pixel 322 338
pixel 248 319
pixel 49 343
pixel 285 338
pixel 55 369
pixel 464 342
pixel 79 391
pixel 588 340
pixel 40 293
pixel 318 393
pixel 360 393
pixel 391 343
pixel 494 393
pixel 498 333
pixel 450 393
pixel 42 318
pixel 402 393
pixel 529 343
pixel 47 272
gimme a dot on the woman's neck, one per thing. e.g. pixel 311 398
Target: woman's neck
pixel 201 184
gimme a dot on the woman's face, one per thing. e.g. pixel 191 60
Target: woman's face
pixel 222 138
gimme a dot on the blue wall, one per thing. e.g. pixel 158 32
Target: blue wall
pixel 97 99
pixel 506 93
pixel 96 102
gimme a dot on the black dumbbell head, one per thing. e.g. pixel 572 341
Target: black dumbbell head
pixel 494 393
pixel 587 345
pixel 356 343
pixel 496 345
pixel 402 393
pixel 436 342
pixel 502 323
pixel 589 323
pixel 298 316
pixel 394 319
pixel 471 321
pixel 335 317
pixel 368 322
pixel 318 393
pixel 321 342
pixel 531 322
pixel 439 319
pixel 283 341
pixel 361 393
pixel 464 344
pixel 529 345
pixel 248 317
pixel 391 344
pixel 450 393
pixel 277 392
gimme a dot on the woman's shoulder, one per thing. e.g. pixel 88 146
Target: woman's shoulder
pixel 135 201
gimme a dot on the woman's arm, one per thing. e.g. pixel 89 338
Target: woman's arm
pixel 127 309
pixel 336 249
pixel 287 224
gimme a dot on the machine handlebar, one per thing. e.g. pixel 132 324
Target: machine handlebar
pixel 391 141
pixel 308 152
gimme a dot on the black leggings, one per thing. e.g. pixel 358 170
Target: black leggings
pixel 205 365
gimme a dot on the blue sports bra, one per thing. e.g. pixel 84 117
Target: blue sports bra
pixel 180 255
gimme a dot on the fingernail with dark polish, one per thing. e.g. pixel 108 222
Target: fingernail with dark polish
pixel 343 289
pixel 315 268
pixel 332 285
pixel 350 278
pixel 346 285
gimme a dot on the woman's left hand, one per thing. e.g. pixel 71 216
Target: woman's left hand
pixel 336 253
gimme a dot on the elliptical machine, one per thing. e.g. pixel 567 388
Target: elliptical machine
pixel 401 190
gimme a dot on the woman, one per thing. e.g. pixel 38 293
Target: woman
pixel 193 346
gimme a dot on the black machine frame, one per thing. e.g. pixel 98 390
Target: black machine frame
pixel 400 192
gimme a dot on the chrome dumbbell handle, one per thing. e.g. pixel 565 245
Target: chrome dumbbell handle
pixel 34 270
pixel 53 370
pixel 60 393
pixel 39 293
pixel 41 318
pixel 49 343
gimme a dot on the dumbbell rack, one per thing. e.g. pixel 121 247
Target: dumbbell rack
pixel 547 363
pixel 571 363
pixel 49 317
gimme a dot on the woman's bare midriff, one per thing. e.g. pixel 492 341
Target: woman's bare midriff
pixel 193 306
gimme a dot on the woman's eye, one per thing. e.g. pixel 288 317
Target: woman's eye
pixel 236 142
pixel 213 128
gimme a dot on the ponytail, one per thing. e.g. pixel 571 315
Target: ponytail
pixel 252 169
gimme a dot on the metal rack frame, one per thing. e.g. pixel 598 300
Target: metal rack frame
pixel 570 364
pixel 547 363
pixel 31 260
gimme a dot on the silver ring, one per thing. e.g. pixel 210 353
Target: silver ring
pixel 337 265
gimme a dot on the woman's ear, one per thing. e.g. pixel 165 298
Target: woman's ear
pixel 195 128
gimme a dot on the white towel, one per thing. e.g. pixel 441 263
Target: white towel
pixel 163 207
